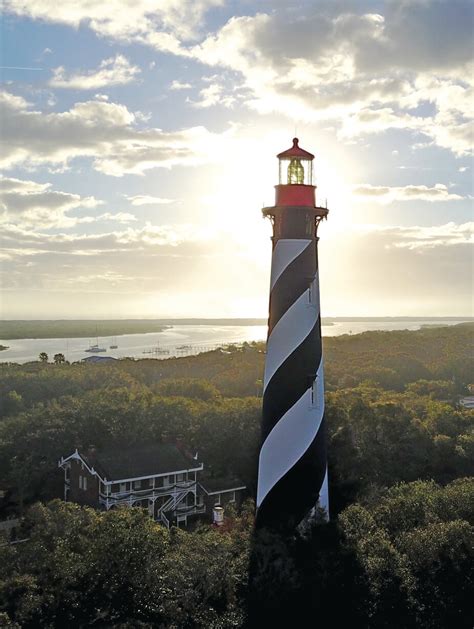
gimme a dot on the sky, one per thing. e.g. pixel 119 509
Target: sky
pixel 139 142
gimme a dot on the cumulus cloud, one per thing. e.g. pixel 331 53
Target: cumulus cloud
pixel 162 23
pixel 369 72
pixel 388 194
pixel 27 204
pixel 107 132
pixel 35 204
pixel 113 71
pixel 212 95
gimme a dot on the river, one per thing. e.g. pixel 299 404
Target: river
pixel 180 340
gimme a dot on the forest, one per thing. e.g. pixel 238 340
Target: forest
pixel 398 551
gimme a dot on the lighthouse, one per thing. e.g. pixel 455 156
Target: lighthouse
pixel 292 474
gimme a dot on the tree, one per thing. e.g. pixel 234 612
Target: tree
pixel 43 357
pixel 58 359
pixel 414 545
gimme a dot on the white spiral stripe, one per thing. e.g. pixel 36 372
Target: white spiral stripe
pixel 291 437
pixel 290 331
pixel 286 250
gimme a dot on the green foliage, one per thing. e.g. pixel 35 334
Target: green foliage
pixel 82 568
pixel 397 552
pixel 414 544
pixel 187 387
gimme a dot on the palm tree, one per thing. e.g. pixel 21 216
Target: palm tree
pixel 58 359
pixel 43 357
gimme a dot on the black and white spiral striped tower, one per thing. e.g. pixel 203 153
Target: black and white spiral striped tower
pixel 292 476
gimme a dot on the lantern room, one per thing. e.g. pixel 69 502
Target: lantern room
pixel 295 182
pixel 295 166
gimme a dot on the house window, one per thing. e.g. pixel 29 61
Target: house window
pixel 232 496
pixel 217 499
pixel 80 481
pixel 179 478
pixel 199 500
pixel 137 484
pixel 123 487
pixel 84 483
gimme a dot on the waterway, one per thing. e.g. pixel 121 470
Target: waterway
pixel 181 340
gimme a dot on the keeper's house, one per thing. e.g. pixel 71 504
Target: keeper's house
pixel 162 478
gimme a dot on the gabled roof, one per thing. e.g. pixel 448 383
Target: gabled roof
pixel 295 151
pixel 117 464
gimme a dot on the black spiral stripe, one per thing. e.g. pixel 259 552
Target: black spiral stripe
pixel 292 468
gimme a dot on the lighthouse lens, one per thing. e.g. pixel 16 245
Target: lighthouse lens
pixel 295 172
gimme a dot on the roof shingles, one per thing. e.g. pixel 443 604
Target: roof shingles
pixel 139 461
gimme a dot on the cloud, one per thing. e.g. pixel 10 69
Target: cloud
pixel 163 22
pixel 35 204
pixel 178 85
pixel 398 270
pixel 144 199
pixel 113 71
pixel 178 270
pixel 368 72
pixel 408 67
pixel 431 237
pixel 106 132
pixel 388 194
pixel 118 217
pixel 29 204
pixel 213 95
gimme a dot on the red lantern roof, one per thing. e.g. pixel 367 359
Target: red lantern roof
pixel 295 151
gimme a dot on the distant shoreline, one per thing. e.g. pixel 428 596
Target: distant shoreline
pixel 92 328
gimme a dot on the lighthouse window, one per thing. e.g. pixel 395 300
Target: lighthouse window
pixel 295 172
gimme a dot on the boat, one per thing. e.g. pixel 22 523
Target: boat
pixel 95 349
pixel 184 347
pixel 114 344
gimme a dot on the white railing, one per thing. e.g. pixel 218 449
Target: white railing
pixel 122 497
pixel 175 494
